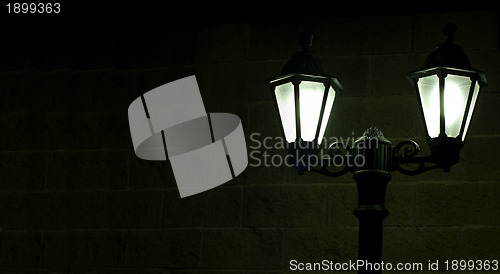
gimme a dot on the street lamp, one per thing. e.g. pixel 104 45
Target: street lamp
pixel 447 89
pixel 304 95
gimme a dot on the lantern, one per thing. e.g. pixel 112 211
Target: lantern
pixel 447 89
pixel 304 96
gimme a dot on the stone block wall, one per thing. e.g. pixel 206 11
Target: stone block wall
pixel 75 198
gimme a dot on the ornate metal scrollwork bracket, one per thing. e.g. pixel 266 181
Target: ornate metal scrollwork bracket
pixel 406 153
pixel 340 157
pixel 337 155
pixel 379 154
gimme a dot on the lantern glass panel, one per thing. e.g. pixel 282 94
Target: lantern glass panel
pixel 285 97
pixel 311 99
pixel 326 113
pixel 456 92
pixel 471 109
pixel 428 88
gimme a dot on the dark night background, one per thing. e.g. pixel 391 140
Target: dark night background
pixel 74 198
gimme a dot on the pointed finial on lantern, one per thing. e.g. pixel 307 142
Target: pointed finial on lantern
pixel 306 40
pixel 449 31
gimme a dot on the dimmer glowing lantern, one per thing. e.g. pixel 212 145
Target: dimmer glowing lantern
pixel 304 96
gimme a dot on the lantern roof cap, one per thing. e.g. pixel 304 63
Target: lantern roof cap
pixel 305 61
pixel 448 54
pixel 449 57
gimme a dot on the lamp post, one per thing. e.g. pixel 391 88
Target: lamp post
pixel 447 89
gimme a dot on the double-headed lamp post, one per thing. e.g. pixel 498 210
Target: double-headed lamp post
pixel 447 89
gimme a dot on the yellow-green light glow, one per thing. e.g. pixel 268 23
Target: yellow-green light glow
pixel 326 113
pixel 311 99
pixel 285 98
pixel 472 104
pixel 456 91
pixel 429 96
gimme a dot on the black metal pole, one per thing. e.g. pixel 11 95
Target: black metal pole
pixel 373 154
pixel 371 214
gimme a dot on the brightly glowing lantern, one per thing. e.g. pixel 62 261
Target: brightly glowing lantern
pixel 447 88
